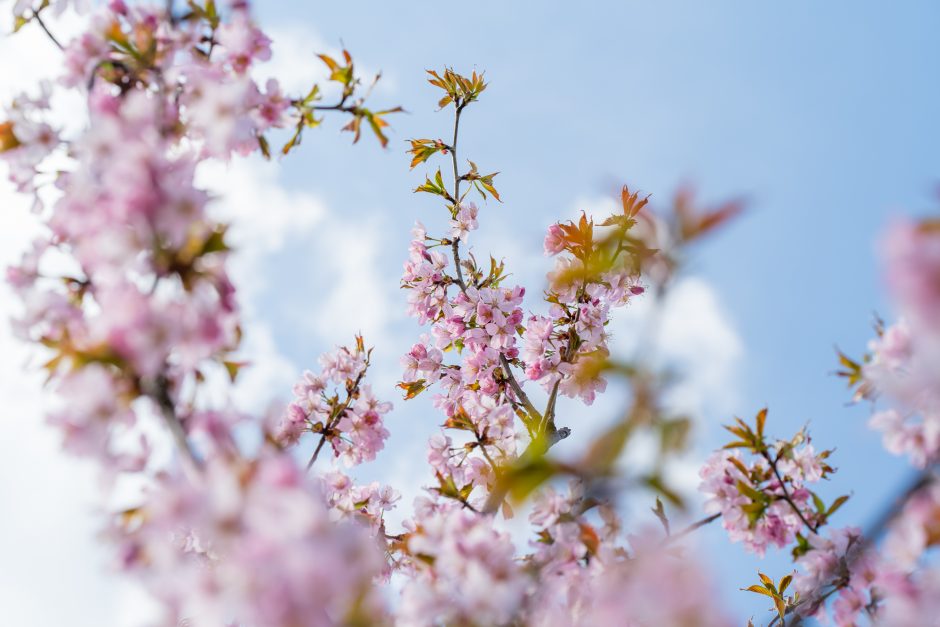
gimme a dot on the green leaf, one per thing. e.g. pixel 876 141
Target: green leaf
pixel 836 504
pixel 312 96
pixel 781 606
pixel 434 187
pixel 818 503
pixel 755 495
pixel 423 149
pixel 523 477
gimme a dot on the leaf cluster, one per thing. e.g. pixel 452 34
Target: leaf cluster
pixel 459 90
pixel 776 592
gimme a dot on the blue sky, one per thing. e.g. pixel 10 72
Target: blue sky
pixel 821 114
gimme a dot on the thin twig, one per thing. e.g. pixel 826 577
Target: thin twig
pixel 534 414
pixel 786 493
pixel 336 417
pixel 519 392
pixel 45 29
pixel 867 542
pixel 455 246
pixel 160 394
pixel 484 451
pixel 691 528
pixel 316 453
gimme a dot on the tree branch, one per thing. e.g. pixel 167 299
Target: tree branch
pixel 691 528
pixel 455 246
pixel 46 30
pixel 160 394
pixel 336 417
pixel 786 493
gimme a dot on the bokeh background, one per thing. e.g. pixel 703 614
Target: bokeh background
pixel 822 115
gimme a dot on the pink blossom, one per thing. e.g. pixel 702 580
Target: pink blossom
pixel 916 529
pixel 777 524
pixel 468 572
pixel 464 222
pixel 554 240
pixel 912 259
pixel 242 42
pixel 252 542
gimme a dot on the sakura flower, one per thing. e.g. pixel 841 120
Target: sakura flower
pixel 243 42
pixel 554 240
pixel 467 573
pixel 464 222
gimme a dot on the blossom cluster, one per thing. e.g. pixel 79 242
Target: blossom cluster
pixel 838 564
pixel 474 314
pixel 565 348
pixel 128 294
pixel 904 357
pixel 462 569
pixel 254 542
pixel 349 417
pixel 765 501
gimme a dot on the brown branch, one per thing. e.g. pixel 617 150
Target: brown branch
pixel 534 414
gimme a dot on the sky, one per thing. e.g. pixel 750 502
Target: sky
pixel 821 115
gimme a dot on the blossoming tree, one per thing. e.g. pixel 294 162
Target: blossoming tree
pixel 126 295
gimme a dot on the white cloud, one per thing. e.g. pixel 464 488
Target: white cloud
pixel 359 298
pixel 692 335
pixel 265 217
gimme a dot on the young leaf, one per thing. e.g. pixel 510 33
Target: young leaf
pixel 761 419
pixel 836 504
pixel 413 388
pixel 758 590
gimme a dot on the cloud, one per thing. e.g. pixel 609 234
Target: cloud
pixel 690 334
pixel 265 217
pixel 359 298
pixel 697 333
